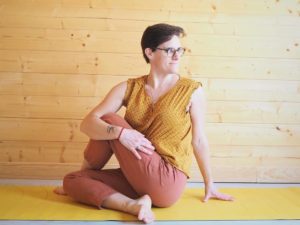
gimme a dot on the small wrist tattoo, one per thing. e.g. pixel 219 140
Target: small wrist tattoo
pixel 110 129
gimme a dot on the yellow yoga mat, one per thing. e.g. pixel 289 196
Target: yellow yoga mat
pixel 40 203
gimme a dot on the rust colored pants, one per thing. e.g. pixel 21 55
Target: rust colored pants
pixel 151 175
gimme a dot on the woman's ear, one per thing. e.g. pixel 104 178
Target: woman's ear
pixel 149 53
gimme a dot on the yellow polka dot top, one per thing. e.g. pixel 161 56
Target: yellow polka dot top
pixel 166 123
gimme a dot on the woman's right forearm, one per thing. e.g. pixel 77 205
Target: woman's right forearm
pixel 97 129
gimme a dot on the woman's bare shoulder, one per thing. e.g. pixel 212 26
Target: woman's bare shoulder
pixel 120 87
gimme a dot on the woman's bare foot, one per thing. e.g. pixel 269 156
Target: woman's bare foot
pixel 59 190
pixel 142 209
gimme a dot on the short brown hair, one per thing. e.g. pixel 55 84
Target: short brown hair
pixel 156 34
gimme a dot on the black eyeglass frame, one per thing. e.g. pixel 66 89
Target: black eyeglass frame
pixel 169 53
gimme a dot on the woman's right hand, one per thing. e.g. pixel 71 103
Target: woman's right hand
pixel 135 141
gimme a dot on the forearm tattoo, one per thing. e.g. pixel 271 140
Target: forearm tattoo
pixel 110 129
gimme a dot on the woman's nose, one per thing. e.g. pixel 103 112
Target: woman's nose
pixel 175 55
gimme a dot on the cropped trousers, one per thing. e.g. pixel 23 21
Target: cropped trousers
pixel 150 175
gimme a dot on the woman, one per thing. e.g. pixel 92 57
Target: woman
pixel 163 126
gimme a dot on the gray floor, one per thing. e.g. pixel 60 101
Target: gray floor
pixel 267 222
pixel 219 185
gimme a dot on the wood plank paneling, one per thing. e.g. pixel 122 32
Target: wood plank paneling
pixel 71 152
pixel 190 20
pixel 39 84
pixel 59 58
pixel 133 65
pixel 250 89
pixel 219 133
pixel 219 7
pixel 217 112
pixel 40 130
pixel 207 45
pixel 223 172
pixel 197 28
pixel 21 170
pixel 274 169
pixel 233 151
pixel 38 151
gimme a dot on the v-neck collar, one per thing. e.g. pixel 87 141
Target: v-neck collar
pixel 162 96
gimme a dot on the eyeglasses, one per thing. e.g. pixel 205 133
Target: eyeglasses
pixel 171 51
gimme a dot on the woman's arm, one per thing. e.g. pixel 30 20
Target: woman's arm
pixel 200 142
pixel 201 146
pixel 96 128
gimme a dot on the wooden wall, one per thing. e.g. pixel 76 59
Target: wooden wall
pixel 58 59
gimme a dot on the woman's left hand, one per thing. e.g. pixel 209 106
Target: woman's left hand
pixel 212 192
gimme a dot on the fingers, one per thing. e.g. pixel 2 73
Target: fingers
pixel 218 196
pixel 145 150
pixel 142 149
pixel 136 154
pixel 135 138
pixel 206 198
pixel 144 145
pixel 225 197
pixel 147 144
pixel 135 141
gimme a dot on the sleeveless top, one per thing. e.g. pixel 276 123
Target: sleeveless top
pixel 166 123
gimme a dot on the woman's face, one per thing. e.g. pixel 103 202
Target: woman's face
pixel 164 63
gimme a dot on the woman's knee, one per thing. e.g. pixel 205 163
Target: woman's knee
pixel 163 203
pixel 164 200
pixel 115 119
pixel 109 116
pixel 70 179
pixel 96 154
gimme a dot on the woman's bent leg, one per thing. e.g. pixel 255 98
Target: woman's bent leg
pixel 97 153
pixel 93 186
pixel 109 189
pixel 151 175
pixel 140 207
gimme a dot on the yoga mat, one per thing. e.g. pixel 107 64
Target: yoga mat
pixel 40 203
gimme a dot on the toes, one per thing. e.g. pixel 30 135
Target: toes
pixel 59 191
pixel 141 215
pixel 145 215
pixel 149 219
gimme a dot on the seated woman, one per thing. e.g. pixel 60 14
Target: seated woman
pixel 163 127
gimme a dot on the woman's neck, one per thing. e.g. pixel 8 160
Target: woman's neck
pixel 155 80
